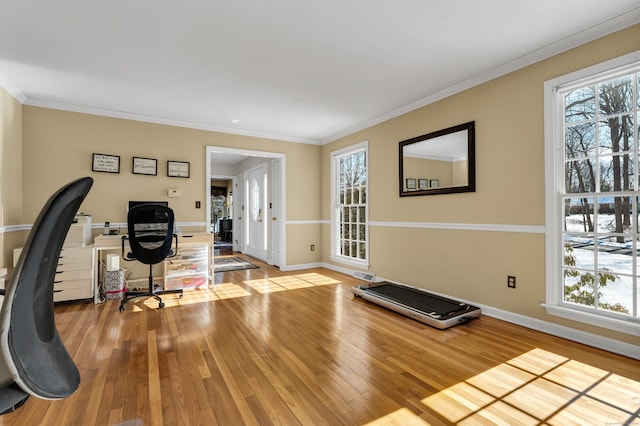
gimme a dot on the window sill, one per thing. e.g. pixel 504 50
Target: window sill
pixel 351 262
pixel 630 326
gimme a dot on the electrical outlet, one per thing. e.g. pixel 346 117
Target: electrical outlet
pixel 313 247
pixel 198 204
pixel 511 281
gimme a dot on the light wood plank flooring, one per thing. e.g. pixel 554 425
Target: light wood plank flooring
pixel 265 347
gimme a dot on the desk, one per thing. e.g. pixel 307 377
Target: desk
pixel 114 242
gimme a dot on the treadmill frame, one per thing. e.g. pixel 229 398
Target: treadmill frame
pixel 433 319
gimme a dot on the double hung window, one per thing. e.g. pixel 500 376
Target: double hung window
pixel 593 164
pixel 350 200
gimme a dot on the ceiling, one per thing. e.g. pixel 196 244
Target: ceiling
pixel 306 71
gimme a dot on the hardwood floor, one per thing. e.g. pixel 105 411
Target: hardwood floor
pixel 265 347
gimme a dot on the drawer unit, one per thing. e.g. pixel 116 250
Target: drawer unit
pixel 74 274
pixel 189 269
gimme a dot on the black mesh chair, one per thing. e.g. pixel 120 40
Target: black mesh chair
pixel 33 360
pixel 150 228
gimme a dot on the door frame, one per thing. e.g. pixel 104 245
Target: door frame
pixel 209 174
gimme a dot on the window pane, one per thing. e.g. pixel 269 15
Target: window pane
pixel 615 256
pixel 616 293
pixel 362 254
pixel 616 95
pixel 579 288
pixel 362 232
pixel 580 104
pixel 580 140
pixel 580 176
pixel 616 134
pixel 579 217
pixel 614 216
pixel 578 252
pixel 362 217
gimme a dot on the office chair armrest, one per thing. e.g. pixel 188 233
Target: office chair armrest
pixel 126 256
pixel 174 253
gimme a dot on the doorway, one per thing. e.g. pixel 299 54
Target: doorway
pixel 265 239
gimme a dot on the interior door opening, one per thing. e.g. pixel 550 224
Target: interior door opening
pixel 265 239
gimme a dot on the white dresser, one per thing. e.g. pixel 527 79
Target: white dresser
pixel 74 274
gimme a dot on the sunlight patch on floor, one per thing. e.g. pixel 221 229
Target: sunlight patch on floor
pixel 230 290
pixel 540 386
pixel 291 282
pixel 264 286
pixel 317 279
pixel 401 417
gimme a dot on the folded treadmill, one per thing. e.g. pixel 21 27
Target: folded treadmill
pixel 436 311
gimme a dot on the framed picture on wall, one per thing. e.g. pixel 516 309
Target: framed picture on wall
pixel 423 184
pixel 411 184
pixel 178 169
pixel 435 183
pixel 145 166
pixel 105 163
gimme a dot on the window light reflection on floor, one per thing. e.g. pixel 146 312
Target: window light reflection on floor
pixel 231 290
pixel 540 387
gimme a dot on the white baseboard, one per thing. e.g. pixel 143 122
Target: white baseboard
pixel 590 339
pixel 301 266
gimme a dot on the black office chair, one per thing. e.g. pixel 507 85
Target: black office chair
pixel 150 228
pixel 33 360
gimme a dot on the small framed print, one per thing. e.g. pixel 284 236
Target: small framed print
pixel 411 184
pixel 145 166
pixel 434 183
pixel 423 184
pixel 178 169
pixel 105 163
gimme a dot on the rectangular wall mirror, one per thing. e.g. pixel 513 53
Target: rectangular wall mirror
pixel 441 162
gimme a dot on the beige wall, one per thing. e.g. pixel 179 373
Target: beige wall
pixel 420 168
pixel 10 174
pixel 57 147
pixel 473 265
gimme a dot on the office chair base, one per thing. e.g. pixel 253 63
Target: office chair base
pixel 12 397
pixel 130 295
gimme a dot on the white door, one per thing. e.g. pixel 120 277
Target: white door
pixel 237 214
pixel 255 215
pixel 274 209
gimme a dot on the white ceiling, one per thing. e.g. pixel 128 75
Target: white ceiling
pixel 300 70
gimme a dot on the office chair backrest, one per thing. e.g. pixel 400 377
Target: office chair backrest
pixel 150 229
pixel 32 354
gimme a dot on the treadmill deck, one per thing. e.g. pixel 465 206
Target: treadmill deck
pixel 433 310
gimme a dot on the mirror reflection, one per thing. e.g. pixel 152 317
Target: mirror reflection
pixel 439 162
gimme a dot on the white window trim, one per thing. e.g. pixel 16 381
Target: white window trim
pixel 553 152
pixel 334 256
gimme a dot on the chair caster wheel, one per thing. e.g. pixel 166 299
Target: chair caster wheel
pixel 121 308
pixel 161 305
pixel 181 296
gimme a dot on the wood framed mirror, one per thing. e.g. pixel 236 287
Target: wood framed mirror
pixel 442 162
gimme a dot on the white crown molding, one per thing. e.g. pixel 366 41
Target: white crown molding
pixel 12 90
pixel 160 120
pixel 597 31
pixel 590 34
